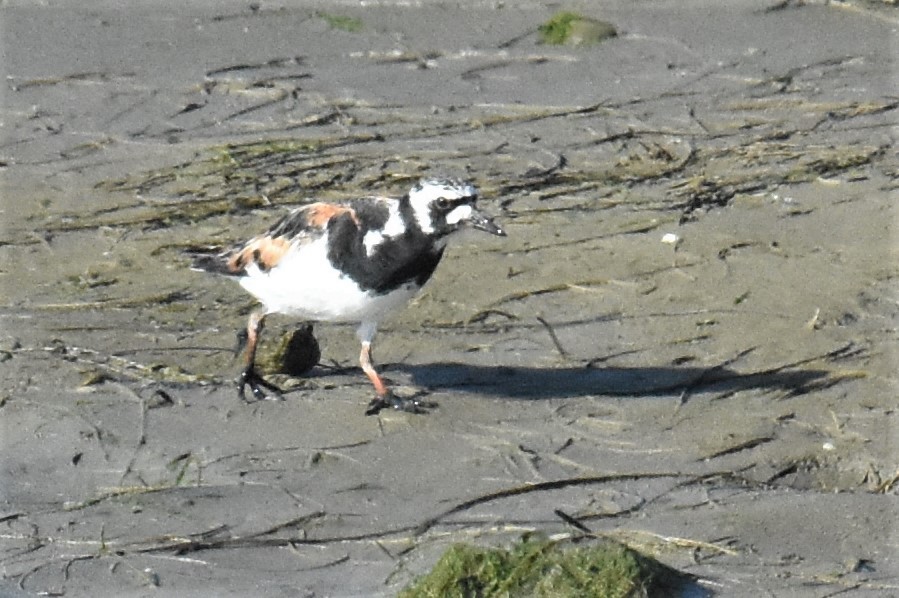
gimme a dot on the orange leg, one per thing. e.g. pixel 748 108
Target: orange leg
pixel 369 369
pixel 254 331
pixel 385 398
pixel 250 377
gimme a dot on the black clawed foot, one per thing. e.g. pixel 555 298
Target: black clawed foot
pixel 410 405
pixel 250 377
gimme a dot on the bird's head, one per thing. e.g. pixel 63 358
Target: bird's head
pixel 442 206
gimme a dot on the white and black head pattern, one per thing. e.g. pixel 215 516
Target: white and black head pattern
pixel 441 206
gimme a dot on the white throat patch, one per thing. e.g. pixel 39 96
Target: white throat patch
pixel 459 214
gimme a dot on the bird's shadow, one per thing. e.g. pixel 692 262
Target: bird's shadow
pixel 545 383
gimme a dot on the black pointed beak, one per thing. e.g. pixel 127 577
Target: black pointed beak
pixel 482 222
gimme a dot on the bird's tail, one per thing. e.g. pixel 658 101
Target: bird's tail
pixel 208 259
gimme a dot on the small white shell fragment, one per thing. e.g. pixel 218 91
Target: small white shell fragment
pixel 670 238
pixel 828 446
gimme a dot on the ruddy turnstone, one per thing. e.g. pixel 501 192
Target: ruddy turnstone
pixel 355 261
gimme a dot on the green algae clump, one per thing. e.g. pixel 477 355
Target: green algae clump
pixel 541 568
pixel 572 29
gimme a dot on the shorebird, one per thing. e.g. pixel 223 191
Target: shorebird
pixel 354 261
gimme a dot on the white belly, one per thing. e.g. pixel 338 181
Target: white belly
pixel 305 285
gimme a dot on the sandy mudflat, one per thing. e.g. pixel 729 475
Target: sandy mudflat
pixel 726 403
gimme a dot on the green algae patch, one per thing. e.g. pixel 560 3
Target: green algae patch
pixel 540 567
pixel 341 22
pixel 572 29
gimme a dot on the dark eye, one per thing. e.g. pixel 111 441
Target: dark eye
pixel 444 203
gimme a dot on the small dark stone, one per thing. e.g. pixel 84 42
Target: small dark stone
pixel 300 353
pixel 847 319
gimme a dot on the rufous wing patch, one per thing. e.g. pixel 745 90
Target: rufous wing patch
pixel 319 214
pixel 291 232
pixel 265 252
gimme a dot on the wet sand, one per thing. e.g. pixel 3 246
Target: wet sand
pixel 726 403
